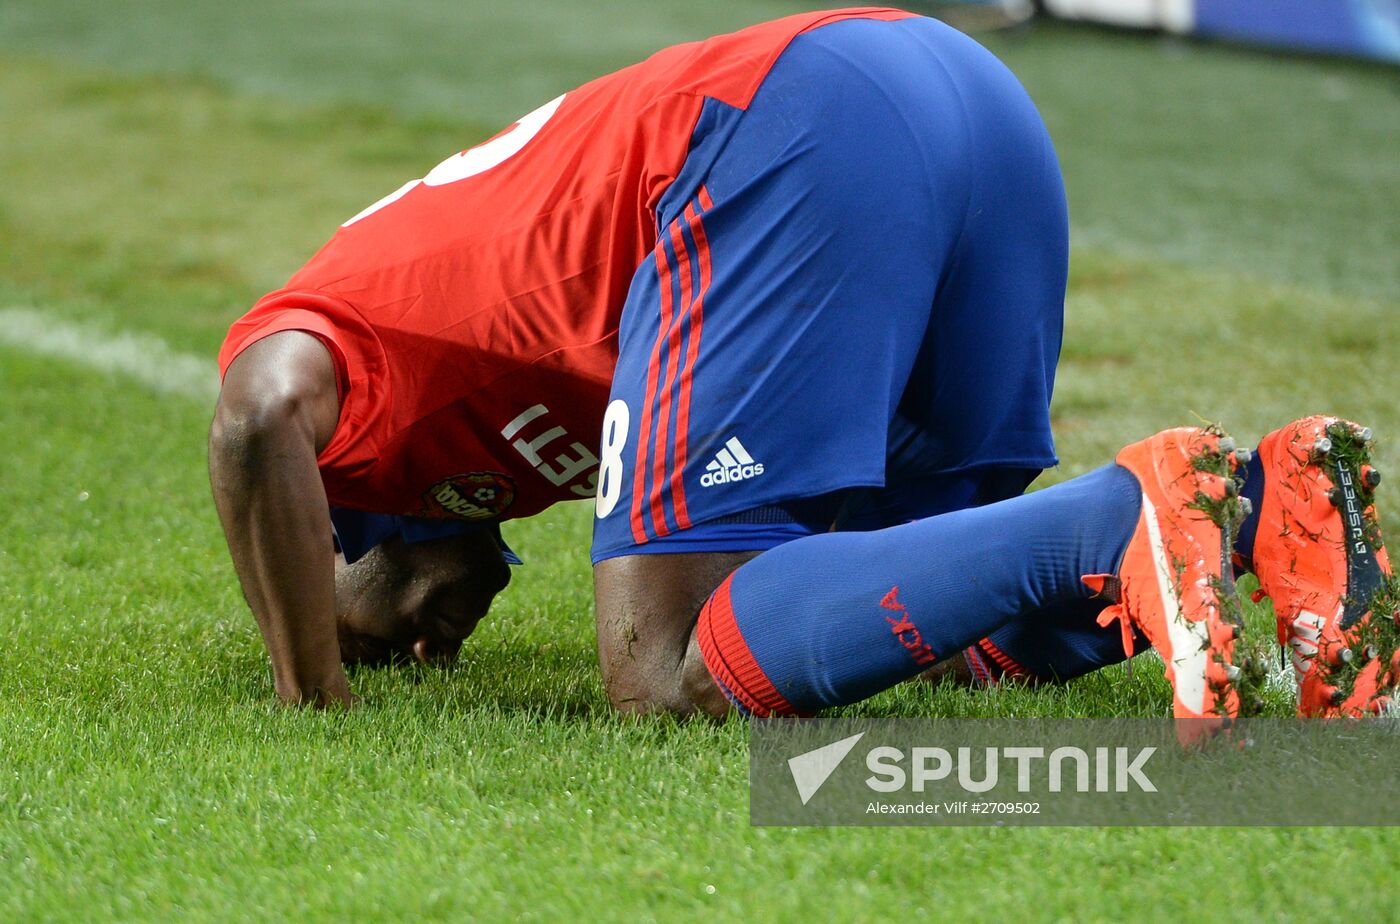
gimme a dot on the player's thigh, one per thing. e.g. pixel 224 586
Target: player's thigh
pixel 985 373
pixel 647 606
pixel 881 234
pixel 764 345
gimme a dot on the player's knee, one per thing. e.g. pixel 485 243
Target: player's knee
pixel 657 696
pixel 637 684
pixel 644 687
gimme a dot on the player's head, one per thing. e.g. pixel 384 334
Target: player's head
pixel 419 601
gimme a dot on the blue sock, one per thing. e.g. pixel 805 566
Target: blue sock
pixel 1253 472
pixel 834 618
pixel 1060 642
pixel 1065 640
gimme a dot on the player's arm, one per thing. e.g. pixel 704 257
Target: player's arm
pixel 277 410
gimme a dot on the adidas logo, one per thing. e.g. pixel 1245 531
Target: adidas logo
pixel 732 463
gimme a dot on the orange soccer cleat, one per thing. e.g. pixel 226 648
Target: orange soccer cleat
pixel 1318 554
pixel 1176 582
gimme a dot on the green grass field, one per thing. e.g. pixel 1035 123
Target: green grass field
pixel 1237 225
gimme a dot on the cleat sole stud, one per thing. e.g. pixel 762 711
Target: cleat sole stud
pixel 1227 444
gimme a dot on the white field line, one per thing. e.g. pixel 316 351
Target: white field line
pixel 142 357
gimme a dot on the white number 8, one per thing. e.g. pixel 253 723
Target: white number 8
pixel 616 421
pixel 475 160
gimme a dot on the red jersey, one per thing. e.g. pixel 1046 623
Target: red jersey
pixel 473 314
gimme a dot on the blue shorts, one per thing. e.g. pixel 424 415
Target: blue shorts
pixel 858 307
pixel 356 532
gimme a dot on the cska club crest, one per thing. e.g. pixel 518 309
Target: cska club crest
pixel 470 496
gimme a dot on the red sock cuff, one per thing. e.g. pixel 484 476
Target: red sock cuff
pixel 982 673
pixel 731 663
pixel 990 664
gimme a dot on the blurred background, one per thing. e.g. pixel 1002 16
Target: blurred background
pixel 1232 170
pixel 1359 28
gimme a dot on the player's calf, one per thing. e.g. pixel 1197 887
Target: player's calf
pixel 1048 646
pixel 833 618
